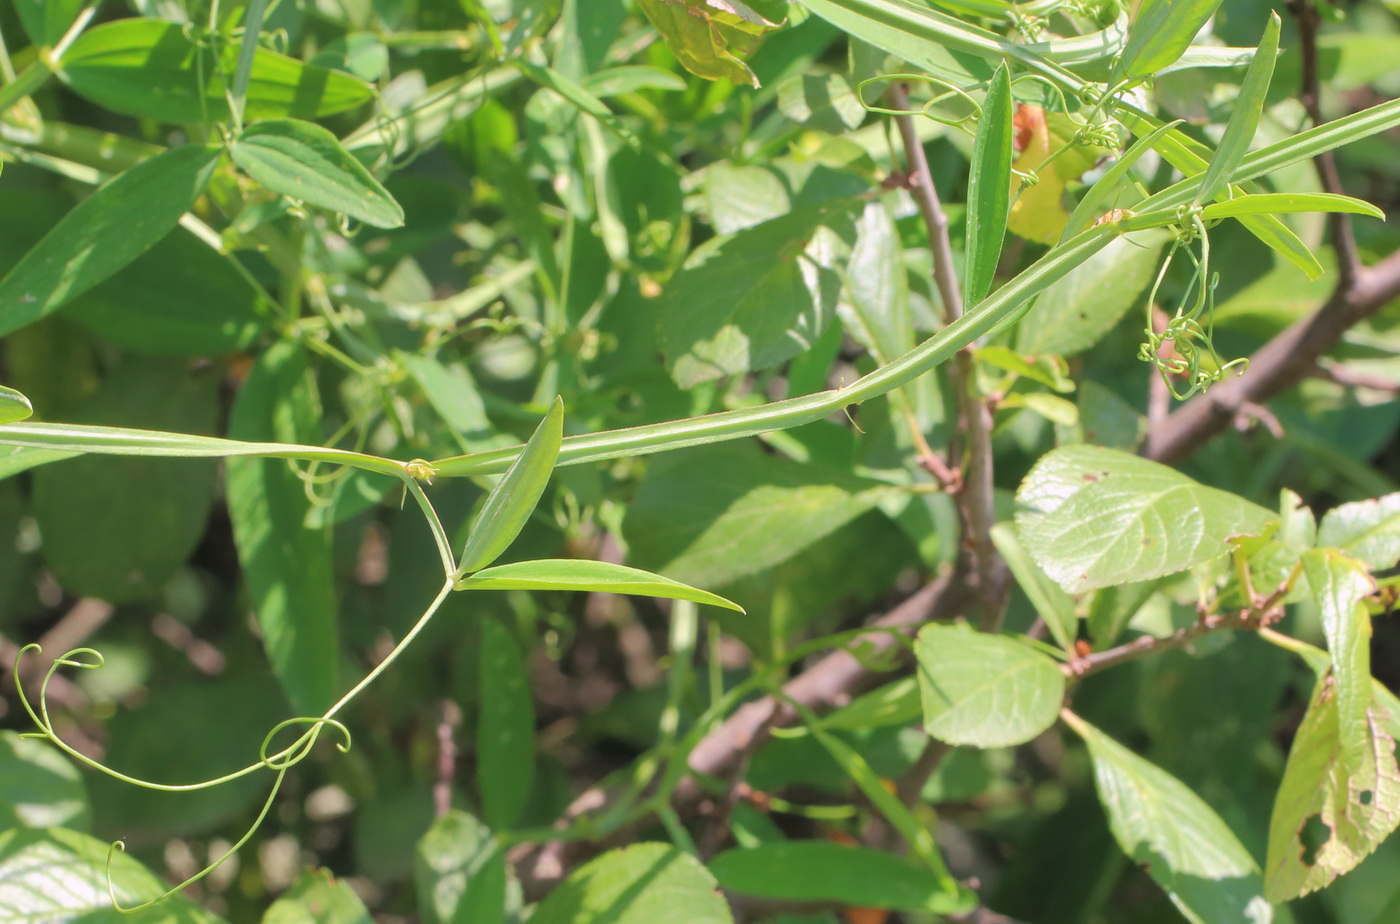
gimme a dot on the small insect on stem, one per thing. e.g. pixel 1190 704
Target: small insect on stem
pixel 1113 216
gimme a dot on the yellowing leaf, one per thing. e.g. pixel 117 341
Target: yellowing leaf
pixel 708 37
pixel 1038 213
pixel 1325 820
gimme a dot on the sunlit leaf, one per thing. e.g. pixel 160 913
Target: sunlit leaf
pixel 317 898
pixel 1338 584
pixel 641 884
pixel 1244 117
pixel 1165 826
pixel 709 37
pixel 1162 31
pixel 1093 517
pixel 988 195
pixel 1368 530
pixel 595 576
pixel 985 690
pixel 514 497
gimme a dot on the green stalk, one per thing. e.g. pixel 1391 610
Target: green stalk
pixel 29 80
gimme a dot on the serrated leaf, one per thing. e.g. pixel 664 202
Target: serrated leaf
pixel 810 871
pixel 1093 517
pixel 1368 530
pixel 317 898
pixel 1162 31
pixel 306 162
pixel 641 884
pixel 1187 849
pixel 1355 811
pixel 985 690
pixel 58 875
pixel 14 406
pixel 598 576
pixel 459 872
pixel 1338 585
pixel 515 496
pixel 750 301
pixel 121 220
pixel 1244 117
pixel 989 188
pixel 709 37
pixel 505 731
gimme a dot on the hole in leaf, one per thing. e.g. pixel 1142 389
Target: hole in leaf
pixel 1314 834
pixel 1365 797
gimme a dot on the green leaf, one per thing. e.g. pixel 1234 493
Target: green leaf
pixel 713 516
pixel 58 875
pixel 317 898
pixel 750 301
pixel 641 884
pixel 1326 820
pixel 1368 530
pixel 579 574
pixel 148 68
pixel 1162 31
pixel 895 703
pixel 822 102
pixel 985 690
pixel 1078 311
pixel 1271 203
pixel 944 46
pixel 1055 606
pixel 1187 849
pixel 877 287
pixel 120 221
pixel 14 406
pixel 505 731
pixel 460 873
pixel 989 188
pixel 515 496
pixel 1244 116
pixel 47 20
pixel 119 528
pixel 1282 241
pixel 709 37
pixel 1339 584
pixel 1093 517
pixel 286 565
pixel 813 871
pixel 306 162
pixel 39 786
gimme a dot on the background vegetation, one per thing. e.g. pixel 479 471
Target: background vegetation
pixel 913 256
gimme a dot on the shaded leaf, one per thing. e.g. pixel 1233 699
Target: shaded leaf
pixel 641 884
pixel 750 301
pixel 14 406
pixel 1188 850
pixel 306 162
pixel 459 871
pixel 579 574
pixel 120 221
pixel 515 495
pixel 1053 605
pixel 985 690
pixel 1092 517
pixel 317 898
pixel 286 565
pixel 711 516
pixel 807 871
pixel 505 731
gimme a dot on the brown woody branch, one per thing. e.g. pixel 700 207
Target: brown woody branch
pixel 975 495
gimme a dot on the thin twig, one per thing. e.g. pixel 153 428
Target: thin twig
pixel 975 498
pixel 1310 95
